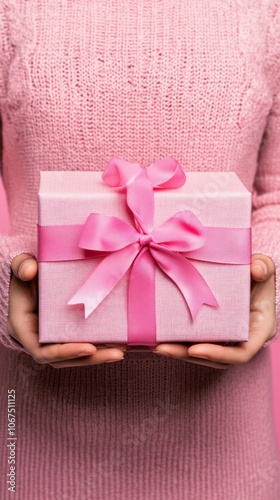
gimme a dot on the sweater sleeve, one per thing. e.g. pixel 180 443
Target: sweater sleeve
pixel 10 246
pixel 266 198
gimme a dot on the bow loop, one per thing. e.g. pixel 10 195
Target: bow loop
pixel 119 173
pixel 101 232
pixel 166 173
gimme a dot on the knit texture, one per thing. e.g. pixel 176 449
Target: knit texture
pixel 81 82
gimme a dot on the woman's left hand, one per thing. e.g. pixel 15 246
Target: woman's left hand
pixel 262 325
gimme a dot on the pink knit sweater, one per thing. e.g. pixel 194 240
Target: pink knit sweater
pixel 80 82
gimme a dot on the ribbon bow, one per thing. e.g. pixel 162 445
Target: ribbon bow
pixel 143 247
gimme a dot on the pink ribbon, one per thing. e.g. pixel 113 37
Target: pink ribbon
pixel 180 238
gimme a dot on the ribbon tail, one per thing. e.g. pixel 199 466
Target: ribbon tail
pixel 141 300
pixel 104 278
pixel 187 278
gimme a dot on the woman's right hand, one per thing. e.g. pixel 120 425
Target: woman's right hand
pixel 23 324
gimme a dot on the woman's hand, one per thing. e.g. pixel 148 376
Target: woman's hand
pixel 23 324
pixel 262 325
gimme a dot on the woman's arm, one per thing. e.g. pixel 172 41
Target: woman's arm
pixel 265 295
pixel 266 200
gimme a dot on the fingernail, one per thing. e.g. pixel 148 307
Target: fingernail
pixel 24 265
pixel 202 356
pixel 120 347
pixel 165 353
pixel 21 269
pixel 84 354
pixel 261 265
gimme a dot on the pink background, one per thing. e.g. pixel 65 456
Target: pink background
pixel 275 349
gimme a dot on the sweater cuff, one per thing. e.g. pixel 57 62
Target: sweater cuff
pixel 277 297
pixel 10 247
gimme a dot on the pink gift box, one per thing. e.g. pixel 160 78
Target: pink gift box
pixel 218 199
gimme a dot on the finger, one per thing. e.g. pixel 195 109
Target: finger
pixel 88 354
pixel 239 354
pixel 123 347
pixel 24 266
pixel 96 359
pixel 210 364
pixel 26 334
pixel 180 351
pixel 201 362
pixel 262 267
pixel 62 353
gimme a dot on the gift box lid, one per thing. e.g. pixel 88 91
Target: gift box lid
pixel 217 198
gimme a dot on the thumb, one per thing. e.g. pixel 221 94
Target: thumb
pixel 25 267
pixel 262 267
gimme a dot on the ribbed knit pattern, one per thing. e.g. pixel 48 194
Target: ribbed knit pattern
pixel 80 82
